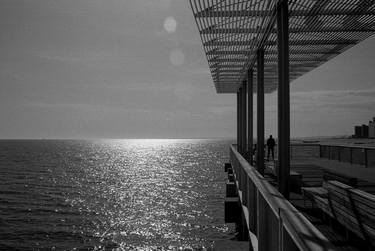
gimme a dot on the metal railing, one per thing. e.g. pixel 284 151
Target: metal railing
pixel 359 155
pixel 274 221
pixel 352 154
pixel 303 150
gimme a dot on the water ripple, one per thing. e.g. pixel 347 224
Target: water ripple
pixel 112 194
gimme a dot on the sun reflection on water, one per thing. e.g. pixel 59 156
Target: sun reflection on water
pixel 138 194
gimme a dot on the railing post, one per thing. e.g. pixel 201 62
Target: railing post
pixel 244 235
pixel 251 204
pixel 286 243
pixel 261 222
pixel 320 151
pixel 244 188
pixel 366 161
pixel 283 97
pixel 329 152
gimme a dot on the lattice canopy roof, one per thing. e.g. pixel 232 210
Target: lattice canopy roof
pixel 233 30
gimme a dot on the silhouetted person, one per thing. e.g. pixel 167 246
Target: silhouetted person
pixel 271 145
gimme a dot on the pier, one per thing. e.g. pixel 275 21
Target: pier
pixel 331 204
pixel 312 202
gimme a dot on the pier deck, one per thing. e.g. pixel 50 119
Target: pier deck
pixel 299 213
pixel 266 218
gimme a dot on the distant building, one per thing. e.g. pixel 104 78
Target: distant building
pixel 357 132
pixel 364 131
pixel 371 128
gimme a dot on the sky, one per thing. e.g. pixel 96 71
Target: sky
pixel 136 69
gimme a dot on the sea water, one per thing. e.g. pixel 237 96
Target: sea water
pixel 112 194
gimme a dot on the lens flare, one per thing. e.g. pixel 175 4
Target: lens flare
pixel 170 24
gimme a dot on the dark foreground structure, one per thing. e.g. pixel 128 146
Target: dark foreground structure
pixel 258 47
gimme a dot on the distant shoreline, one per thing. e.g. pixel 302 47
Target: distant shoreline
pixel 213 138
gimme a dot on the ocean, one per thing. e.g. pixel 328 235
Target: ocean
pixel 112 194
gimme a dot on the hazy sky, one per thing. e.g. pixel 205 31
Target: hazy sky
pixel 136 69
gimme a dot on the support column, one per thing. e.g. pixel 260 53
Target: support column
pixel 243 116
pixel 250 115
pixel 241 120
pixel 260 111
pixel 238 120
pixel 283 98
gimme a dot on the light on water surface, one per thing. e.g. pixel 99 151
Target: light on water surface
pixel 139 194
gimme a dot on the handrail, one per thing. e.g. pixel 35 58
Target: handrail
pixel 363 146
pixel 354 154
pixel 362 155
pixel 277 224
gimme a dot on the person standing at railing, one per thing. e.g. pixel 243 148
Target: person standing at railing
pixel 271 146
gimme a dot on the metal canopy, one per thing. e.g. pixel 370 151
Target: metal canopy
pixel 233 30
